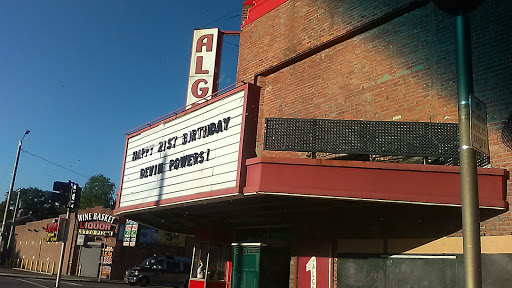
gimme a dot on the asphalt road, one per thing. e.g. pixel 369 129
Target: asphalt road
pixel 17 282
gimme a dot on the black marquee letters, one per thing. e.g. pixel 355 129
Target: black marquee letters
pixel 184 160
pixel 175 164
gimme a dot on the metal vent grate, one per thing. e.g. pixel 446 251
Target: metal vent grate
pixel 506 132
pixel 247 249
pixel 418 139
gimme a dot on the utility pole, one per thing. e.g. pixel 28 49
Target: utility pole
pixel 13 219
pixel 62 249
pixel 9 193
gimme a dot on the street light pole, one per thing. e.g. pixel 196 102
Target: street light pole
pixel 63 247
pixel 468 171
pixel 10 191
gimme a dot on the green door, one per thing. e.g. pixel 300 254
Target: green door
pixel 246 265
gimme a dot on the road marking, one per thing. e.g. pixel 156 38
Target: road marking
pixel 67 283
pixel 70 283
pixel 33 283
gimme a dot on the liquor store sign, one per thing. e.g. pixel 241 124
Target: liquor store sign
pixel 96 224
pixel 53 230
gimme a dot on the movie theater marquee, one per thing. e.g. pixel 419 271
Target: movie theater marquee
pixel 194 152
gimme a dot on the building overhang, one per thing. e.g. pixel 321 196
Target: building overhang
pixel 287 192
pixel 371 181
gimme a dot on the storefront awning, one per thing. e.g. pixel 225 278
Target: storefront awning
pixel 371 181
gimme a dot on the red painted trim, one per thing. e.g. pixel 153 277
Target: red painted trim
pixel 118 192
pixel 228 192
pixel 194 283
pixel 371 165
pixel 176 112
pixel 230 33
pixel 247 148
pixel 260 8
pixel 218 56
pixel 187 111
pixel 414 183
pixel 296 267
pixel 307 248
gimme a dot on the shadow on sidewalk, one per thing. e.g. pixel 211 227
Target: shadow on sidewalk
pixel 17 272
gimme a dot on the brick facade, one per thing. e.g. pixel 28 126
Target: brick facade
pixel 30 244
pixel 31 251
pixel 379 60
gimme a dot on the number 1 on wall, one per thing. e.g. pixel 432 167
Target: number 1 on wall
pixel 311 266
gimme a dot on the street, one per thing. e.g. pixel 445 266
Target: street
pixel 16 282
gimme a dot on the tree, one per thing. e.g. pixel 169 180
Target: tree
pixel 2 210
pixel 34 202
pixel 39 204
pixel 98 191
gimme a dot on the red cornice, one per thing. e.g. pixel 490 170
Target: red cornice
pixel 409 183
pixel 260 8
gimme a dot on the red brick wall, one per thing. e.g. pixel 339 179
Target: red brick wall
pixel 402 70
pixel 29 246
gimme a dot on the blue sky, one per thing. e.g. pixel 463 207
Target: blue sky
pixel 79 74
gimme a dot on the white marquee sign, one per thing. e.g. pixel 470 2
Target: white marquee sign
pixel 192 153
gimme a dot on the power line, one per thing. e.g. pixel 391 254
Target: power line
pixel 236 45
pixel 55 164
pixel 218 19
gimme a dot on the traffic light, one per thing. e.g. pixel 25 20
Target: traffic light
pixel 58 198
pixel 69 194
pixel 64 188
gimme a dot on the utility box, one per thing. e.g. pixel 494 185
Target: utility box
pixel 246 265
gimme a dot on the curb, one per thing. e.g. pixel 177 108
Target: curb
pixel 31 274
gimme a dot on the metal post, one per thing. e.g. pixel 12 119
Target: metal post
pixel 102 257
pixel 73 239
pixel 13 219
pixel 39 253
pixel 10 191
pixel 64 239
pixel 468 171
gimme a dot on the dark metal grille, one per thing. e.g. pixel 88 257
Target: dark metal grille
pixel 419 139
pixel 506 132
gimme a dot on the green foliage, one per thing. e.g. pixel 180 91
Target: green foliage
pixel 34 203
pixel 2 210
pixel 39 204
pixel 98 191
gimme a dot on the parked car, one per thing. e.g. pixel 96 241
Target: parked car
pixel 170 271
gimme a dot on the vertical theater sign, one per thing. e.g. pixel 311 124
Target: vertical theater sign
pixel 204 63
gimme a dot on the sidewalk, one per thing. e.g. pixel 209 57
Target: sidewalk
pixel 15 272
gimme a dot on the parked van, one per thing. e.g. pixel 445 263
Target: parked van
pixel 170 271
